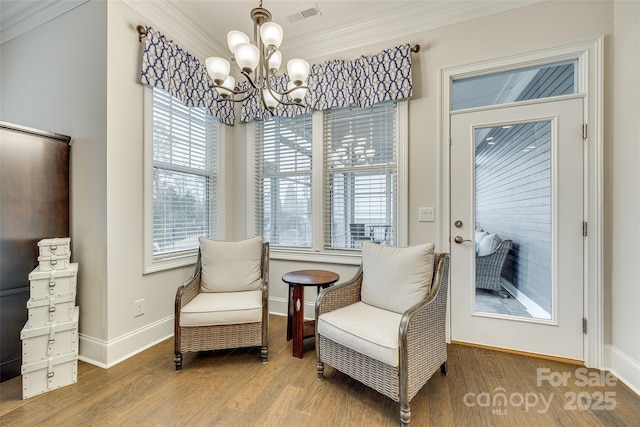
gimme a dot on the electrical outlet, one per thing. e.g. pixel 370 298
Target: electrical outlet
pixel 138 307
pixel 426 214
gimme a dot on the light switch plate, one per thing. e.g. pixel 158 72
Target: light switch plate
pixel 426 214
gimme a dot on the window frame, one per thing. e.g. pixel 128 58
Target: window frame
pixel 317 251
pixel 154 263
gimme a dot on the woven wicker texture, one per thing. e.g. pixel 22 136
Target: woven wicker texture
pixel 221 337
pixel 489 267
pixel 370 372
pixel 201 338
pixel 422 341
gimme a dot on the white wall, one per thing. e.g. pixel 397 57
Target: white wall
pixel 124 162
pixel 55 78
pixel 624 211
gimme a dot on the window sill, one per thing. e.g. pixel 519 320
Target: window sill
pixel 316 257
pixel 171 261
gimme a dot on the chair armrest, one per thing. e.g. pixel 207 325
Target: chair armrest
pixel 187 291
pixel 264 267
pixel 503 248
pixel 495 260
pixel 341 295
pixel 264 273
pixel 422 335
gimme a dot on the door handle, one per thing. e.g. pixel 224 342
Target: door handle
pixel 459 239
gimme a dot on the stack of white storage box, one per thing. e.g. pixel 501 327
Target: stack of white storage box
pixel 50 336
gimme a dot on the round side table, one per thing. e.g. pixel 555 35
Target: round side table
pixel 297 328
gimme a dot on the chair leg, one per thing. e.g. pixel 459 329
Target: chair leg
pixel 177 359
pixel 444 369
pixel 405 414
pixel 320 369
pixel 264 353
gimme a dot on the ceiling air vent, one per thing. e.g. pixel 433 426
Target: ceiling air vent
pixel 303 14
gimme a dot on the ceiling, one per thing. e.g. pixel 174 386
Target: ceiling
pixel 339 24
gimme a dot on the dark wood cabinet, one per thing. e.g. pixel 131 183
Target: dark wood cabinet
pixel 34 204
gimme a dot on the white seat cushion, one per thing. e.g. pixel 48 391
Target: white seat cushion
pixel 366 329
pixel 231 266
pixel 396 279
pixel 222 308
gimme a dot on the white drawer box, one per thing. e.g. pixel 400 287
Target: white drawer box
pixel 49 341
pixel 47 311
pixel 59 246
pixel 54 283
pixel 54 262
pixel 41 377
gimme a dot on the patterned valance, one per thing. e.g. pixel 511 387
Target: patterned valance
pixel 341 83
pixel 168 67
pixel 365 81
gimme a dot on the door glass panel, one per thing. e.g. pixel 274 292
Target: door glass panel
pixel 541 81
pixel 513 188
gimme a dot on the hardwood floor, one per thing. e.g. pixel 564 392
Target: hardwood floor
pixel 232 388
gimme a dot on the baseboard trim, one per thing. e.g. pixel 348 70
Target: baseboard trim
pixel 623 367
pixel 106 354
pixel 532 307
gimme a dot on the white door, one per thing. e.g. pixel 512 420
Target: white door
pixel 517 183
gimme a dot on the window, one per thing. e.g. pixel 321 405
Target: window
pixel 284 187
pixel 181 183
pixel 327 181
pixel 540 81
pixel 360 176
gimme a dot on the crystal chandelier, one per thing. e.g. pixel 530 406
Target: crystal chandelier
pixel 259 62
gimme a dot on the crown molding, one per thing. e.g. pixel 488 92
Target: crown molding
pixel 403 22
pixel 19 17
pixel 175 21
pixel 177 24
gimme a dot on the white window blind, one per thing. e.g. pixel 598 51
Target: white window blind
pixel 284 175
pixel 360 176
pixel 185 158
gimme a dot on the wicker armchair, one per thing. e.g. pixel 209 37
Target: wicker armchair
pixel 421 341
pixel 489 267
pixel 224 324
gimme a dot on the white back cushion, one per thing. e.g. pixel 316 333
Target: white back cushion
pixel 394 278
pixel 230 266
pixel 480 234
pixel 488 245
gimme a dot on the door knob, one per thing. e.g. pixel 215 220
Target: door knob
pixel 459 239
pixel 458 224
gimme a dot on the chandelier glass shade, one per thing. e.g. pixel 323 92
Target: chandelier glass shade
pixel 259 63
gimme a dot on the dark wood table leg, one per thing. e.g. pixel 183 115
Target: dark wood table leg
pixel 298 321
pixel 290 315
pixel 297 328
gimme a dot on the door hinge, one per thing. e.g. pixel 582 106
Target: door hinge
pixel 584 325
pixel 584 131
pixel 585 231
